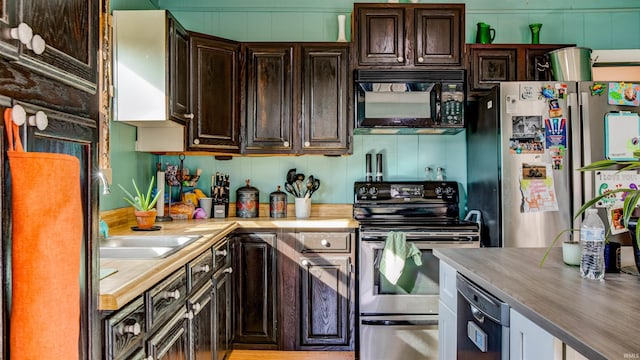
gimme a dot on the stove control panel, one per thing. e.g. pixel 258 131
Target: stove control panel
pixel 406 191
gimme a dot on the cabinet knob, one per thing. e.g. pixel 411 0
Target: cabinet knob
pixel 23 32
pixel 196 141
pixel 325 243
pixel 37 44
pixel 202 268
pixel 305 262
pixel 39 120
pixel 420 59
pixel 196 307
pixel 171 294
pixel 227 270
pixel 188 315
pixel 285 144
pixel 133 329
pixel 542 67
pixel 189 116
pixel 307 144
pixel 221 252
pixel 400 59
pixel 18 114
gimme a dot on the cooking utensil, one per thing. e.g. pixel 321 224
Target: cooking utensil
pixel 316 186
pixel 309 186
pixel 291 176
pixel 290 189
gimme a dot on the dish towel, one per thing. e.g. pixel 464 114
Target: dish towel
pixel 46 241
pixel 396 252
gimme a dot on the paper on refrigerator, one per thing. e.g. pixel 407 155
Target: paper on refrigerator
pixel 537 188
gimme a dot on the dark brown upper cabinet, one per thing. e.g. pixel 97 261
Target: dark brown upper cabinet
pixel 63 34
pixel 490 64
pixel 296 98
pixel 391 35
pixel 215 94
pixel 178 71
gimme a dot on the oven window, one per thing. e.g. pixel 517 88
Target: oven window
pixel 415 280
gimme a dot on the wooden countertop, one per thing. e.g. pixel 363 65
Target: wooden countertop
pixel 596 318
pixel 133 277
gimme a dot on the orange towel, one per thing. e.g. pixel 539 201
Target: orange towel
pixel 46 210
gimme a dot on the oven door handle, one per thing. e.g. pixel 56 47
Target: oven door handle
pixel 400 322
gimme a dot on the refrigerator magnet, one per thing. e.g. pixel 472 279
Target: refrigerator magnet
pixel 561 89
pixel 624 94
pixel 555 110
pixel 548 92
pixel 555 132
pixel 608 181
pixel 557 157
pixel 597 89
pixel 529 92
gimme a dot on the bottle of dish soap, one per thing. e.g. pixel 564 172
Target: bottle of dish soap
pixel 592 239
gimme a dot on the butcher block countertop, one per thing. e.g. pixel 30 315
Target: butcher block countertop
pixel 596 318
pixel 133 277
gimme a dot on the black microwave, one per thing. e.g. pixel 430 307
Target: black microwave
pixel 417 101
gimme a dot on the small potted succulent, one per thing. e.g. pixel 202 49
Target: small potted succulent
pixel 143 204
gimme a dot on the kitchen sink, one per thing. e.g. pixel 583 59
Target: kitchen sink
pixel 143 247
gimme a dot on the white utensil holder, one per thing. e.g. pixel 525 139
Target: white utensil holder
pixel 303 207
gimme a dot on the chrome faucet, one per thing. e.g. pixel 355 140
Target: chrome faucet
pixel 106 190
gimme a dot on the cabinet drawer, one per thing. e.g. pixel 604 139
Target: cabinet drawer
pixel 325 242
pixel 200 269
pixel 166 296
pixel 125 330
pixel 222 255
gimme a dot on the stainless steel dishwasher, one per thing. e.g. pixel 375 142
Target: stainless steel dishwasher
pixel 483 323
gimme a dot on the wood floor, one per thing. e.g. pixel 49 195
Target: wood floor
pixel 290 355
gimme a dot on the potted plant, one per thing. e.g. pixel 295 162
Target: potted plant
pixel 143 204
pixel 629 219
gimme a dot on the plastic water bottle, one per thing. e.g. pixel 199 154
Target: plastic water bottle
pixel 592 238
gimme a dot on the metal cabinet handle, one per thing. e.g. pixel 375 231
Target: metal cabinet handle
pixel 171 294
pixel 196 307
pixel 39 120
pixel 325 243
pixel 133 329
pixel 307 144
pixel 400 59
pixel 305 262
pixel 23 32
pixel 420 59
pixel 188 315
pixel 37 44
pixel 221 252
pixel 285 144
pixel 202 268
pixel 196 141
pixel 189 116
pixel 227 270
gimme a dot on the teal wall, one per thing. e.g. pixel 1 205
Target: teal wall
pixel 593 23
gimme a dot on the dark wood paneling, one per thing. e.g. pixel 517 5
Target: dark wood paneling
pixel 380 36
pixel 178 71
pixel 325 121
pixel 439 35
pixel 215 94
pixel 270 98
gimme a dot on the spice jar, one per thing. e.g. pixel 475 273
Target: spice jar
pixel 278 204
pixel 247 201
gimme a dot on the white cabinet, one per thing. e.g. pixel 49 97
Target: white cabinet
pixel 447 317
pixel 529 341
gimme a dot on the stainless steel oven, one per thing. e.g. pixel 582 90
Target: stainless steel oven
pixel 400 321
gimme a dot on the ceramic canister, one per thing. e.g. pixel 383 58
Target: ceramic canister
pixel 247 201
pixel 278 204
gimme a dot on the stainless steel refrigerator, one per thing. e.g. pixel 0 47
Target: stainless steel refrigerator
pixel 525 142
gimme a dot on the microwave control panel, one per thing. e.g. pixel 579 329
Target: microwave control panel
pixel 452 100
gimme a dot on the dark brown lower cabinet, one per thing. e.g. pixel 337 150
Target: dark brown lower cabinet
pixel 324 300
pixel 171 342
pixel 255 305
pixel 201 324
pixel 223 316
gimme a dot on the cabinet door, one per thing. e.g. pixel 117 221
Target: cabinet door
pixel 380 37
pixel 255 290
pixel 538 66
pixel 222 315
pixel 324 301
pixel 8 17
pixel 269 102
pixel 178 72
pixel 447 332
pixel 70 30
pixel 201 325
pixel 439 36
pixel 215 95
pixel 325 94
pixel 491 66
pixel 171 341
pixel 528 340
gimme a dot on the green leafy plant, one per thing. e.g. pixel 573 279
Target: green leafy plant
pixel 630 201
pixel 141 202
